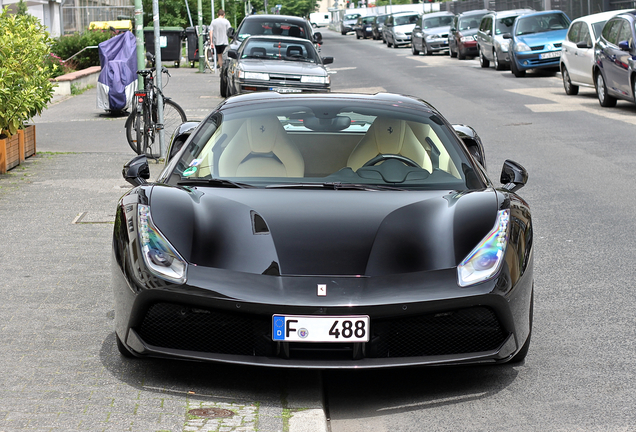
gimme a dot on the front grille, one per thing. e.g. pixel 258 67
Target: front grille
pixel 274 77
pixel 558 45
pixel 462 331
pixel 537 48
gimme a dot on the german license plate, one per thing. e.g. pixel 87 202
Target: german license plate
pixel 285 90
pixel 552 54
pixel 301 328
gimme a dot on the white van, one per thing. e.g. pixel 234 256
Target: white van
pixel 319 19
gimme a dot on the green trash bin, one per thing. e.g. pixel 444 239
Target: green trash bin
pixel 170 41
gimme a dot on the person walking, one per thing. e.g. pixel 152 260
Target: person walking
pixel 218 35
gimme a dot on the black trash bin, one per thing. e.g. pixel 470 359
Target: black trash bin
pixel 192 42
pixel 170 40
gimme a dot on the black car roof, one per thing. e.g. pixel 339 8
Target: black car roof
pixel 283 18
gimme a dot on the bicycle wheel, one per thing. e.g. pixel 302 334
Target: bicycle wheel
pixel 134 131
pixel 209 57
pixel 173 117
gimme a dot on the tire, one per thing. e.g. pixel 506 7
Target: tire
pixel 395 46
pixel 523 352
pixel 209 57
pixel 601 91
pixel 122 348
pixel 223 84
pixel 483 61
pixel 388 44
pixel 134 134
pixel 173 117
pixel 515 71
pixel 569 88
pixel 497 64
pixel 425 50
pixel 460 55
pixel 455 54
pixel 344 33
pixel 357 35
pixel 414 50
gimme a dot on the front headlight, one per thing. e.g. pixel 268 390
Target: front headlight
pixel 521 47
pixel 158 254
pixel 433 37
pixel 253 75
pixel 486 259
pixel 400 34
pixel 315 79
pixel 467 38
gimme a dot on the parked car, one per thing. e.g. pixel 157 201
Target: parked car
pixel 491 46
pixel 398 28
pixel 324 231
pixel 377 26
pixel 577 56
pixel 431 33
pixel 462 34
pixel 363 27
pixel 274 63
pixel 614 54
pixel 283 25
pixel 536 41
pixel 347 22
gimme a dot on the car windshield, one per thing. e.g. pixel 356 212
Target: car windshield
pixel 381 19
pixel 469 22
pixel 541 23
pixel 257 27
pixel 368 20
pixel 504 25
pixel 433 22
pixel 350 17
pixel 403 20
pixel 343 143
pixel 278 49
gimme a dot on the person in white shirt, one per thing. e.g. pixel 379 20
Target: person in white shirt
pixel 218 35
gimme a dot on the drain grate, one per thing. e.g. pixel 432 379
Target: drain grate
pixel 211 412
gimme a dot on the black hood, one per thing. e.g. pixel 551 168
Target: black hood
pixel 316 232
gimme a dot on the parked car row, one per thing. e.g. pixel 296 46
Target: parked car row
pixel 597 50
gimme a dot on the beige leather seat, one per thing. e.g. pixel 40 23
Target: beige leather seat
pixel 261 148
pixel 389 136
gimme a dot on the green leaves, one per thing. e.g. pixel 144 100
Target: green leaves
pixel 25 88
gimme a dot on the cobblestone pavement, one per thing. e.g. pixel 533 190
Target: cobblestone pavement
pixel 59 366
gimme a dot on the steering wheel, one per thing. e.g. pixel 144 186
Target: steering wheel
pixel 382 157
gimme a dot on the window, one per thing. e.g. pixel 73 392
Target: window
pixel 573 34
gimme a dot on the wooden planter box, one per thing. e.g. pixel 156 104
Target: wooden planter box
pixel 10 156
pixel 29 141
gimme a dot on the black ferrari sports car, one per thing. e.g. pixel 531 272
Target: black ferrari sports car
pixel 324 231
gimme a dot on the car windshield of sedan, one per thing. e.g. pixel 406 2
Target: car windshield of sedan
pixel 317 143
pixel 468 23
pixel 541 23
pixel 254 27
pixel 442 21
pixel 273 49
pixel 404 20
pixel 504 25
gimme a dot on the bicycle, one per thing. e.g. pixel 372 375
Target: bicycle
pixel 142 122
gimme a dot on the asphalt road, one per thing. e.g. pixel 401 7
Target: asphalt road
pixel 59 368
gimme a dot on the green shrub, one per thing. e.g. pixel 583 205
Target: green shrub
pixel 25 88
pixel 66 46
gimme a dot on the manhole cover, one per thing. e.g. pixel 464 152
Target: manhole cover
pixel 211 412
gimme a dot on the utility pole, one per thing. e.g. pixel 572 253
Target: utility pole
pixel 200 24
pixel 139 36
pixel 159 130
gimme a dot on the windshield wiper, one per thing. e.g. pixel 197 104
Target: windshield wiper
pixel 335 186
pixel 214 182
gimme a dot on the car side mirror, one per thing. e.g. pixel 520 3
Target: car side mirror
pixel 584 45
pixel 233 54
pixel 318 37
pixel 230 33
pixel 179 137
pixel 327 60
pixel 624 45
pixel 513 176
pixel 506 36
pixel 453 29
pixel 136 171
pixel 471 140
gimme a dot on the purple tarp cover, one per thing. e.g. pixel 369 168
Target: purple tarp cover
pixel 118 58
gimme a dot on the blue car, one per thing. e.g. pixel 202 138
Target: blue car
pixel 536 39
pixel 614 68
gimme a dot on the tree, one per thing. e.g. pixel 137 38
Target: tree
pixel 23 9
pixel 296 7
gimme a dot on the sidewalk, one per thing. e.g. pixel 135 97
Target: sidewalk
pixel 59 367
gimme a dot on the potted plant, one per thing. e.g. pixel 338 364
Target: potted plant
pixel 25 88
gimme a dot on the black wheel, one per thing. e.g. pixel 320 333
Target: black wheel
pixel 223 84
pixel 122 348
pixel 357 35
pixel 395 45
pixel 460 54
pixel 515 71
pixel 567 84
pixel 495 58
pixel 134 133
pixel 343 32
pixel 388 44
pixel 601 91
pixel 414 50
pixel 483 61
pixel 523 352
pixel 425 50
pixel 454 54
pixel 173 117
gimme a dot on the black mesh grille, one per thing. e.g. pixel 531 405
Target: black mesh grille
pixel 463 331
pixel 185 328
pixel 457 332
